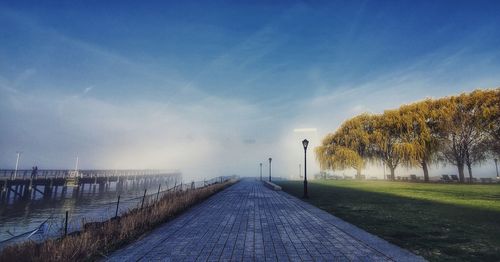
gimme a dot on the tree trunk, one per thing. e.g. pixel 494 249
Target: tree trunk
pixel 358 173
pixel 461 176
pixel 469 168
pixel 426 171
pixel 393 177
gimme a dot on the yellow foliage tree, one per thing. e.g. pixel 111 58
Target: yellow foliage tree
pixel 387 143
pixel 347 147
pixel 466 124
pixel 420 129
pixel 460 129
pixel 491 115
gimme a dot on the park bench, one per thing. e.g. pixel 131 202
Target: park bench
pixel 486 180
pixel 445 178
pixel 474 180
pixel 413 178
pixel 454 178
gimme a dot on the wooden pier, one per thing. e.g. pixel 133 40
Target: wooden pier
pixel 24 185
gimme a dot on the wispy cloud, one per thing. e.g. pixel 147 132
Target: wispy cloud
pixel 97 55
pixel 88 89
pixel 297 66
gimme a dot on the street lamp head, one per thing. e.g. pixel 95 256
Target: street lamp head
pixel 305 143
pixel 270 159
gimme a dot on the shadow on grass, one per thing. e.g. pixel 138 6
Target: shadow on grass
pixel 436 231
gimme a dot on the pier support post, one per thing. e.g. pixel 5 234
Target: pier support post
pixel 64 191
pixel 4 190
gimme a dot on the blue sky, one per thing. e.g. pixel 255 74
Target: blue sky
pixel 214 87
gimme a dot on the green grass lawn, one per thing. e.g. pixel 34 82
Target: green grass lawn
pixel 441 222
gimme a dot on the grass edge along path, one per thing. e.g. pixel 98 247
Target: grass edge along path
pixel 100 239
pixel 437 230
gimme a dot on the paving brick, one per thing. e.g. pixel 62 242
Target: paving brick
pixel 249 222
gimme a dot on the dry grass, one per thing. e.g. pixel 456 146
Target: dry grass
pixel 99 239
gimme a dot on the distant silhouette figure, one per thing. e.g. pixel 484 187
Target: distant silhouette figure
pixel 34 172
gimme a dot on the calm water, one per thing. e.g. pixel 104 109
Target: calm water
pixel 17 217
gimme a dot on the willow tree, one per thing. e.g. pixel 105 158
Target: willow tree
pixel 421 131
pixel 347 147
pixel 387 143
pixel 491 115
pixel 465 123
pixel 460 129
pixel 482 107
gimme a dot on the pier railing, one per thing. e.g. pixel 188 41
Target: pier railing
pixel 60 224
pixel 24 185
pixel 63 173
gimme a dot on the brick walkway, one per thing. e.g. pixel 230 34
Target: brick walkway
pixel 249 222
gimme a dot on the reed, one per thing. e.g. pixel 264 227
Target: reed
pixel 100 238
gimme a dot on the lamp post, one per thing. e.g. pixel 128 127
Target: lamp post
pixel 496 167
pixel 17 163
pixel 260 171
pixel 305 143
pixel 270 159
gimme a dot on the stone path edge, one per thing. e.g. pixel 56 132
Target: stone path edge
pixel 139 241
pixel 391 250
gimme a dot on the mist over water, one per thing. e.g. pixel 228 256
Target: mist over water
pixel 88 204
